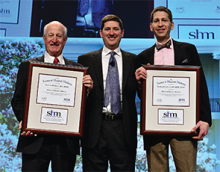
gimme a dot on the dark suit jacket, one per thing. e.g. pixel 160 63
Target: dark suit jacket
pixel 95 99
pixel 31 145
pixel 184 54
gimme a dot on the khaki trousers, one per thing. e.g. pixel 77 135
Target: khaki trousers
pixel 184 154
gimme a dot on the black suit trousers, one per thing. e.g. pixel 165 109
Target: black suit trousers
pixel 111 148
pixel 52 150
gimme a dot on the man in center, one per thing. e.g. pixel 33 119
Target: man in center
pixel 110 129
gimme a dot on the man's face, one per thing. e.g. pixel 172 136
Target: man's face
pixel 111 34
pixel 161 26
pixel 54 39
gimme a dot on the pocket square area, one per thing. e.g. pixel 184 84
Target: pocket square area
pixel 185 61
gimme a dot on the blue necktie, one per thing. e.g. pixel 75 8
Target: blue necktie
pixel 112 85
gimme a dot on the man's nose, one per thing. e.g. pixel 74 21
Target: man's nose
pixel 54 39
pixel 160 23
pixel 111 32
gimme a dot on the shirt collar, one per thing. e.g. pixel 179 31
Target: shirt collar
pixel 50 59
pixel 106 51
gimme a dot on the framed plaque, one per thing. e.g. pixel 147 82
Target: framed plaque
pixel 55 99
pixel 170 102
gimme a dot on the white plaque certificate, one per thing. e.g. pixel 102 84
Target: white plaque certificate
pixel 171 91
pixel 170 100
pixel 57 90
pixel 55 99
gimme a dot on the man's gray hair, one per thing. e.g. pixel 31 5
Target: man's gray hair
pixel 64 28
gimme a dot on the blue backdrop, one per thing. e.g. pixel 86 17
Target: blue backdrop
pixel 196 22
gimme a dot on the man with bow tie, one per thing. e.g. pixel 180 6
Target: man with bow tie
pixel 167 51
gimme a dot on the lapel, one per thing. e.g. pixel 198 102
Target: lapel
pixel 126 62
pixel 41 59
pixel 66 61
pixel 177 53
pixel 97 66
pixel 151 55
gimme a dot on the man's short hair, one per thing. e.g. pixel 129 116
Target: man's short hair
pixel 64 28
pixel 111 17
pixel 161 8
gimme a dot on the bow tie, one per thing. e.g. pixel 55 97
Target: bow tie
pixel 166 45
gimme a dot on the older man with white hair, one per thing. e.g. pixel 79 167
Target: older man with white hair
pixel 39 150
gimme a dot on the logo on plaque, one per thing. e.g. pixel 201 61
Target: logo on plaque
pixel 170 117
pixel 54 116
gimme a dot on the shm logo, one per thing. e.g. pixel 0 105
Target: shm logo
pixel 169 115
pixel 4 11
pixel 201 35
pixel 53 113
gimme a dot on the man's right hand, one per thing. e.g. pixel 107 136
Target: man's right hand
pixel 26 133
pixel 140 73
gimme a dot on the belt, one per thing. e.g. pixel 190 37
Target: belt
pixel 110 116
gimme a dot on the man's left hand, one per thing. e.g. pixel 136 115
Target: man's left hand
pixel 203 130
pixel 88 82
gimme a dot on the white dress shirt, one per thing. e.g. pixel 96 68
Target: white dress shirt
pixel 49 59
pixel 105 63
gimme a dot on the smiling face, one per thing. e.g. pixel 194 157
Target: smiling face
pixel 111 34
pixel 54 39
pixel 161 26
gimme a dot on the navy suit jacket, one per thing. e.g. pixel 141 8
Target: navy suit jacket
pixel 95 99
pixel 31 145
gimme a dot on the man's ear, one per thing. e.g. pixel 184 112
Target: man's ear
pixel 100 33
pixel 151 28
pixel 65 39
pixel 44 38
pixel 172 25
pixel 122 33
